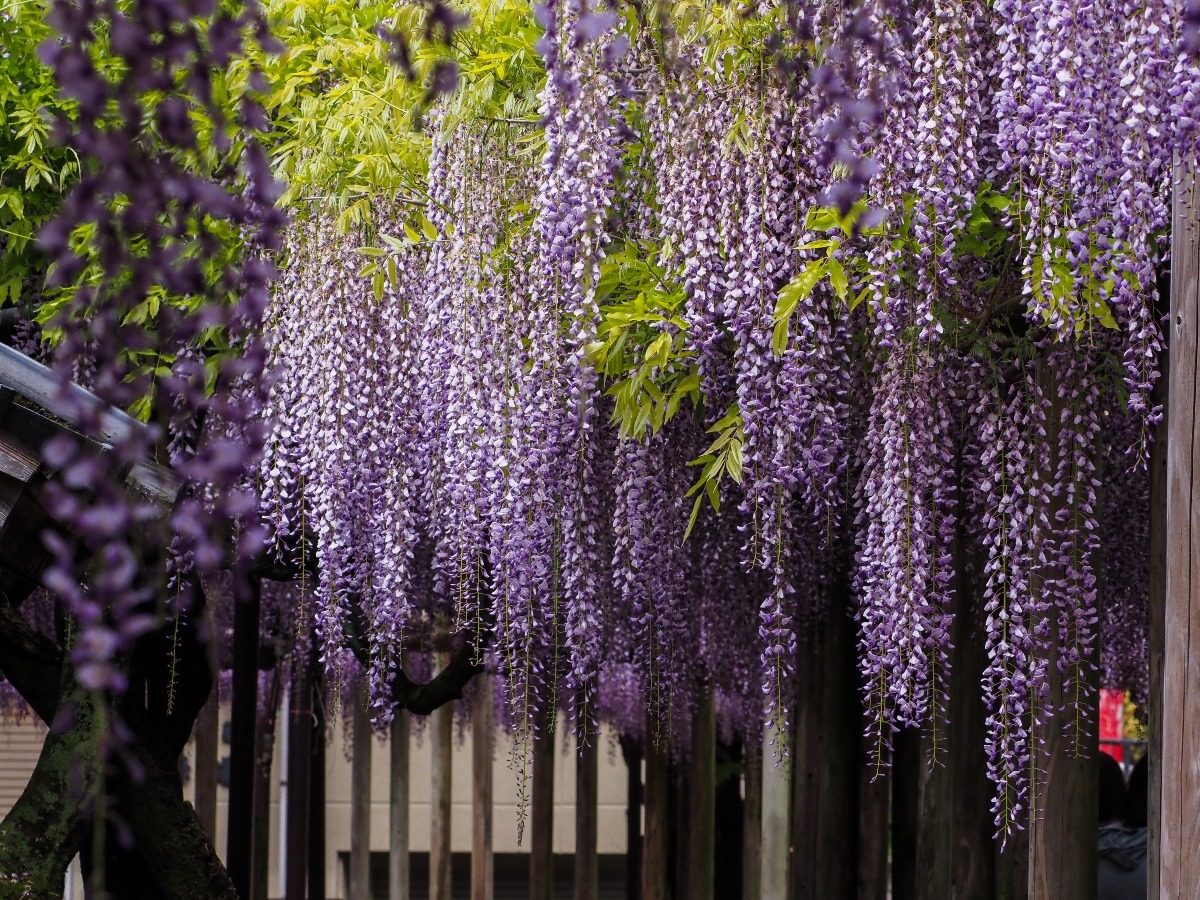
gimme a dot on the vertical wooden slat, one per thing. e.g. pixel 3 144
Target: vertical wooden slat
pixel 1179 832
pixel 631 751
pixel 316 794
pixel 299 776
pixel 208 737
pixel 776 833
pixel 587 782
pixel 752 820
pixel 541 812
pixel 441 736
pixel 658 818
pixel 483 876
pixel 702 811
pixel 240 833
pixel 398 878
pixel 264 755
pixel 360 797
pixel 874 800
pixel 1157 607
pixel 906 809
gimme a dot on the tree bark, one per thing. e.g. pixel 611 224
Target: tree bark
pixel 776 841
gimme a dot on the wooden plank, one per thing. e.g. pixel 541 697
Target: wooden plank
pixel 1156 637
pixel 441 738
pixel 483 741
pixel 316 794
pixel 541 811
pixel 360 796
pixel 776 833
pixel 702 812
pixel 906 810
pixel 752 819
pixel 658 817
pixel 874 796
pixel 206 748
pixel 264 755
pixel 1180 798
pixel 16 459
pixel 587 785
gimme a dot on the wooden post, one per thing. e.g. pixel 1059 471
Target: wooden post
pixel 874 793
pixel 587 783
pixel 316 794
pixel 1064 831
pixel 752 820
pixel 906 808
pixel 360 797
pixel 658 817
pixel 208 737
pixel 264 755
pixel 632 754
pixel 776 835
pixel 702 811
pixel 240 833
pixel 1179 821
pixel 954 852
pixel 299 778
pixel 440 738
pixel 541 811
pixel 828 759
pixel 483 878
pixel 398 879
pixel 1156 619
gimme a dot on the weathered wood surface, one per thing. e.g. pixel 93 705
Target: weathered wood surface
pixel 206 750
pixel 398 788
pixel 874 796
pixel 360 798
pixel 1179 814
pixel 483 870
pixel 752 820
pixel 316 794
pixel 702 812
pixel 658 819
pixel 299 778
pixel 631 752
pixel 906 811
pixel 776 841
pixel 441 737
pixel 587 798
pixel 541 813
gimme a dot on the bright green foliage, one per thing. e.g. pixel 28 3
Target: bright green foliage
pixel 33 172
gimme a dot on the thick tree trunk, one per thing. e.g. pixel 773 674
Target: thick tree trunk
pixel 264 757
pixel 776 842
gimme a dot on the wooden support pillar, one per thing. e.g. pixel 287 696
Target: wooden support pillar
pixel 631 751
pixel 240 833
pixel 752 819
pixel 776 841
pixel 398 878
pixel 954 852
pixel 360 797
pixel 264 755
pixel 441 737
pixel 1156 620
pixel 299 777
pixel 702 810
pixel 541 811
pixel 874 792
pixel 587 782
pixel 316 794
pixel 483 740
pixel 1179 821
pixel 208 738
pixel 906 809
pixel 828 760
pixel 658 818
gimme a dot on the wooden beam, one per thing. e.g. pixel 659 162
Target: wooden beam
pixel 239 847
pixel 776 840
pixel 752 819
pixel 906 811
pixel 208 736
pixel 264 756
pixel 874 793
pixel 541 812
pixel 316 794
pixel 587 786
pixel 483 746
pixel 441 738
pixel 702 799
pixel 1179 809
pixel 398 861
pixel 360 796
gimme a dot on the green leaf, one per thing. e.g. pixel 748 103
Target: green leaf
pixel 837 277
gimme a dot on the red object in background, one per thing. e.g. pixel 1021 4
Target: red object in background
pixel 1112 723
